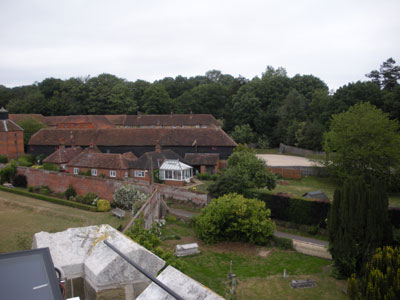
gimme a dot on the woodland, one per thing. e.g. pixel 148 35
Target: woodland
pixel 263 111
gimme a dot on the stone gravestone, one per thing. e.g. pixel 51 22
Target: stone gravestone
pixel 302 283
pixel 186 249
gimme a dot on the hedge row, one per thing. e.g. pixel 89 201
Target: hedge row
pixel 302 210
pixel 394 216
pixel 297 210
pixel 48 198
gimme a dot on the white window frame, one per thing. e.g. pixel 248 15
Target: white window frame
pixel 140 173
pixel 113 173
pixel 93 172
pixel 76 171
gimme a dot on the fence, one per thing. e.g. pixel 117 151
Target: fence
pixel 296 172
pixel 298 151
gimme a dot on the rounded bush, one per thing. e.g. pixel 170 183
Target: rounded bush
pixel 233 217
pixel 103 205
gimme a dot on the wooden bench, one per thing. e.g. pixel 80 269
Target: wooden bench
pixel 118 213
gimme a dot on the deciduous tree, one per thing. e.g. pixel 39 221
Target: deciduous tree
pixel 364 143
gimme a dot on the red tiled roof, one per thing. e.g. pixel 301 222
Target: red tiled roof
pixel 99 121
pixel 118 120
pixel 171 120
pixel 100 160
pixel 134 137
pixel 9 126
pixel 202 159
pixel 52 121
pixel 63 155
pixel 157 158
pixel 18 117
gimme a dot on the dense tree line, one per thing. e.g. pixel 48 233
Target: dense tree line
pixel 267 109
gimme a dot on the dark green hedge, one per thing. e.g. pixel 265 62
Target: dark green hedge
pixel 296 210
pixel 302 210
pixel 394 216
pixel 48 198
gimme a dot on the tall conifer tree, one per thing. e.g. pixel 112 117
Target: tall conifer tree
pixel 358 223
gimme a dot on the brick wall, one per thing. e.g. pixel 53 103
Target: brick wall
pixel 59 182
pixel 103 187
pixel 183 195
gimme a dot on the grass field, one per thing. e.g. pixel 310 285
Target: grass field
pixel 258 269
pixel 21 217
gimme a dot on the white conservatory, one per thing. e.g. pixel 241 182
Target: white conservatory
pixel 174 170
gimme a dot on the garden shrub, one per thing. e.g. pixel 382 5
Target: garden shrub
pixel 8 172
pixel 130 198
pixel 26 160
pixel 203 176
pixel 233 217
pixel 70 192
pixel 20 181
pixel 151 241
pixel 79 199
pixel 89 198
pixel 45 190
pixel 31 189
pixel 51 167
pixel 39 158
pixel 3 159
pixel 103 205
pixel 381 277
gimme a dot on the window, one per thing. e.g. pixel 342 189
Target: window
pixel 94 172
pixel 113 173
pixel 76 171
pixel 197 126
pixel 126 174
pixel 139 173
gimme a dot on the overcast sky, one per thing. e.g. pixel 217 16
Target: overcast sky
pixel 337 41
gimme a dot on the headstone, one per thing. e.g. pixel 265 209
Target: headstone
pixel 285 275
pixel 186 249
pixel 303 283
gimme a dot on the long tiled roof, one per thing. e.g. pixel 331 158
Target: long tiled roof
pixel 171 120
pixel 117 120
pixel 156 159
pixel 100 160
pixel 63 155
pixel 19 117
pixel 134 137
pixel 99 121
pixel 197 159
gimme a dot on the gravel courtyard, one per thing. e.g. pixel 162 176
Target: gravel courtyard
pixel 277 160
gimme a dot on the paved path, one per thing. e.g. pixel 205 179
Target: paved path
pixel 301 238
pixel 187 215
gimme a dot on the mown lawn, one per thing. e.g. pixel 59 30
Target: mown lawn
pixel 258 269
pixel 298 188
pixel 21 217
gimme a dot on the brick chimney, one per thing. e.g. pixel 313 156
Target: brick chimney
pixel 158 146
pixel 62 143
